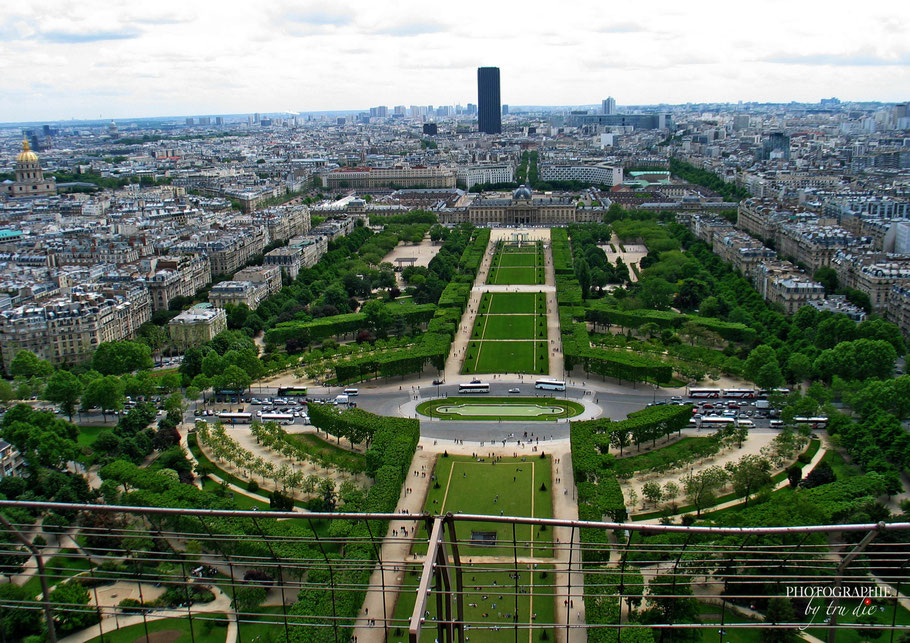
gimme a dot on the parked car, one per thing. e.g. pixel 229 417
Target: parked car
pixel 438 382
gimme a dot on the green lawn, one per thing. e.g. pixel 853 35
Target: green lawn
pixel 60 567
pixel 711 614
pixel 204 630
pixel 881 610
pixel 429 408
pixel 524 276
pixel 510 487
pixel 513 259
pixel 506 357
pixel 506 303
pixel 509 327
pixel 328 453
pixel 528 595
pixel 241 501
pixel 267 624
pixel 88 433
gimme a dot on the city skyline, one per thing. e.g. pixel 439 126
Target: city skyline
pixel 132 62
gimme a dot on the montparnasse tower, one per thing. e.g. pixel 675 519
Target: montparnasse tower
pixel 30 180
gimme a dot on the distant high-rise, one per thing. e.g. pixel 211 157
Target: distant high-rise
pixel 489 118
pixel 505 110
pixel 608 106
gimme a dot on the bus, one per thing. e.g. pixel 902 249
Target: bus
pixel 292 391
pixel 744 422
pixel 716 420
pixel 704 392
pixel 550 384
pixel 474 387
pixel 236 418
pixel 280 418
pixel 814 423
pixel 739 393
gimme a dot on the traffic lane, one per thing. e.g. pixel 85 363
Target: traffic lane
pixel 490 432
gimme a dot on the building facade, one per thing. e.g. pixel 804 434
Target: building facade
pixel 489 102
pixel 196 326
pixel 30 180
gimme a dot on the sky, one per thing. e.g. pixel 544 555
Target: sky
pixel 140 58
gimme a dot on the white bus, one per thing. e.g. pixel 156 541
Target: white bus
pixel 236 418
pixel 739 393
pixel 550 384
pixel 474 387
pixel 814 423
pixel 704 392
pixel 716 420
pixel 351 392
pixel 280 418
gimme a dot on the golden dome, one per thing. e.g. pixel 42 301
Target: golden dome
pixel 26 155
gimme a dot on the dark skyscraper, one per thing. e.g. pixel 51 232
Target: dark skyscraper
pixel 489 120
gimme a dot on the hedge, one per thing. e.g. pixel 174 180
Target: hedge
pixel 562 253
pixel 338 325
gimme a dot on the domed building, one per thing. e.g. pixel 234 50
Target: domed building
pixel 30 180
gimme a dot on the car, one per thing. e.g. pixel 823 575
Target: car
pixel 438 382
pixel 676 398
pixel 729 414
pixel 707 405
pixel 694 410
pixel 197 413
pixel 255 401
pixel 475 381
pixel 734 405
pixel 514 390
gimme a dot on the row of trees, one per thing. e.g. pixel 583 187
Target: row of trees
pixel 283 477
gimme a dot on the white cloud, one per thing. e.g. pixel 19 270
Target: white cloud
pixel 121 59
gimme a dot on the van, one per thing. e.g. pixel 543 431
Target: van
pixel 351 391
pixel 776 423
pixel 745 423
pixel 341 399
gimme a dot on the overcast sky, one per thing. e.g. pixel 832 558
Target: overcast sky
pixel 117 59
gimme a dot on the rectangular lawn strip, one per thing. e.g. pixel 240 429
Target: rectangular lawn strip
pixel 510 486
pixel 509 327
pixel 506 357
pixel 711 613
pixel 510 259
pixel 507 303
pixel 846 617
pixel 535 596
pixel 522 276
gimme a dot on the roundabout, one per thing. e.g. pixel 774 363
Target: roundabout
pixel 500 409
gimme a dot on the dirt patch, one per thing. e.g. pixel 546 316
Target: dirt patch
pixel 164 636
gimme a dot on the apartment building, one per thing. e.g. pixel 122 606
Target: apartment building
pixel 268 275
pixel 781 282
pixel 238 292
pixel 601 174
pixel 228 251
pixel 815 246
pixel 473 175
pixel 399 176
pixel 742 251
pixel 874 273
pixel 66 330
pixel 288 259
pixel 196 326
pixel 897 307
pixel 175 276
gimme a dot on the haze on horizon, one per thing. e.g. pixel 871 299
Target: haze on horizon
pixel 95 59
